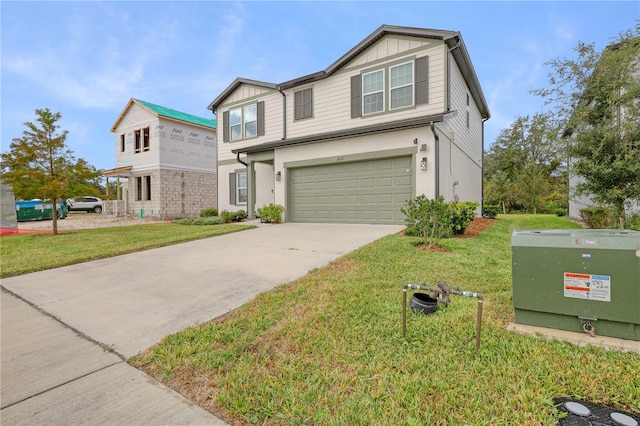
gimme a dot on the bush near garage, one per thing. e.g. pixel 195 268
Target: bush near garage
pixel 271 213
pixel 435 219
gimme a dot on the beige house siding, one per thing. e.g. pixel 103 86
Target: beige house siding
pixel 331 136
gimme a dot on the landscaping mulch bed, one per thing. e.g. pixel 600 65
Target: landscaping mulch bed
pixel 478 225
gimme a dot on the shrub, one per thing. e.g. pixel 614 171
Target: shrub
pixel 228 216
pixel 209 212
pixel 634 222
pixel 199 221
pixel 271 213
pixel 561 211
pixel 490 212
pixel 428 219
pixel 462 213
pixel 598 217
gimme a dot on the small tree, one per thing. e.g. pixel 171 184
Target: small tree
pixel 428 219
pixel 39 165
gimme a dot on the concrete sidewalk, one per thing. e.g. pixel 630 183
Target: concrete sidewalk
pixel 66 332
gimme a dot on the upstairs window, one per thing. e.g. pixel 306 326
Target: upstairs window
pixel 250 113
pixel 303 104
pixel 407 86
pixel 122 143
pixel 373 92
pixel 137 136
pixel 142 142
pixel 243 123
pixel 401 85
pixel 145 139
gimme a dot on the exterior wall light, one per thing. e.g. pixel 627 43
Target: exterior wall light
pixel 423 163
pixel 278 176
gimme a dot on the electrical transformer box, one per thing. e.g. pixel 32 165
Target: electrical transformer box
pixel 583 280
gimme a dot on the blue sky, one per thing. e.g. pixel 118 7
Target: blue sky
pixel 87 59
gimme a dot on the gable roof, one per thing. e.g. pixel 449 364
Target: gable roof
pixel 160 111
pixel 453 40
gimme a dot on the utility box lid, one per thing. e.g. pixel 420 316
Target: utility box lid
pixel 578 280
pixel 577 238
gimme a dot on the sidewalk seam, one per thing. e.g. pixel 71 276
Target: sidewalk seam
pixel 61 384
pixel 79 333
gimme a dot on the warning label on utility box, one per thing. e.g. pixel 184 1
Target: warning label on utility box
pixel 587 286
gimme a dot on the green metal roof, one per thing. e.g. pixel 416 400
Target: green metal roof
pixel 177 115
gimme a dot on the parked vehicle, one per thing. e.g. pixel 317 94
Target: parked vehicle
pixel 38 210
pixel 85 204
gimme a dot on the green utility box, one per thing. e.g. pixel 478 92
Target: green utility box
pixel 578 280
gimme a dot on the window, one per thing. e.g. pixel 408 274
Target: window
pixel 137 135
pixel 241 188
pixel 145 139
pixel 138 188
pixel 143 188
pixel 303 104
pixel 243 122
pixel 235 123
pixel 408 86
pixel 373 92
pixel 142 140
pixel 122 142
pixel 147 191
pixel 250 121
pixel 401 85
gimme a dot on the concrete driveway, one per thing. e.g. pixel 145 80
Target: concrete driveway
pixel 66 332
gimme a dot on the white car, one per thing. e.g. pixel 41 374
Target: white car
pixel 85 204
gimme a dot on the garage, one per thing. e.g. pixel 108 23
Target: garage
pixel 358 192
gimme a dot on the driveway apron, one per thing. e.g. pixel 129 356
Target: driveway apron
pixel 67 331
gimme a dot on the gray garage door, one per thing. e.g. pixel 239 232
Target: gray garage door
pixel 363 192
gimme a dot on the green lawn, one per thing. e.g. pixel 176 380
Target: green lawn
pixel 328 349
pixel 20 254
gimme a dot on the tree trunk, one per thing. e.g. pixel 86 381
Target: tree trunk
pixel 54 216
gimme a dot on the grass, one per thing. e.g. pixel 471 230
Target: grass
pixel 328 349
pixel 21 254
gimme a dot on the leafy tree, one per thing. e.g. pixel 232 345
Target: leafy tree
pixel 525 162
pixel 597 96
pixel 497 189
pixel 39 165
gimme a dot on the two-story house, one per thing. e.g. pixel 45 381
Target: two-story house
pixel 165 161
pixel 400 114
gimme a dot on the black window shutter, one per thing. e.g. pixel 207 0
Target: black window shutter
pixel 422 80
pixel 232 188
pixel 297 106
pixel 260 124
pixel 356 96
pixel 225 129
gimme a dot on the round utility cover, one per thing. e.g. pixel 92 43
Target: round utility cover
pixel 577 409
pixel 623 419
